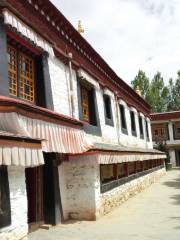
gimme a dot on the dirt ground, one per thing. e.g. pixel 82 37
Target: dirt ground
pixel 153 214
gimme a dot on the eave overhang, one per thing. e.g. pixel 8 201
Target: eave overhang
pixel 59 133
pixel 17 150
pixel 63 36
pixel 8 104
pixel 165 116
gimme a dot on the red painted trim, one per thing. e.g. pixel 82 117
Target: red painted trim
pixel 31 16
pixel 84 154
pixel 15 105
pixel 106 152
pixel 165 116
pixel 23 42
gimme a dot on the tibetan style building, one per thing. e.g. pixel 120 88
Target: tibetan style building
pixel 166 130
pixel 75 139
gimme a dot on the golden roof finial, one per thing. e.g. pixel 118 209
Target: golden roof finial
pixel 138 91
pixel 80 28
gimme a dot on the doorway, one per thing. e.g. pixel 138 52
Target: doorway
pixel 52 199
pixel 177 158
pixel 43 193
pixel 34 187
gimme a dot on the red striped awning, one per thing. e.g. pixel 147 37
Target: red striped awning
pixel 56 138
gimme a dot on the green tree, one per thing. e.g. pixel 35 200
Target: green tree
pixel 159 94
pixel 177 93
pixel 141 81
pixel 171 99
pixel 154 92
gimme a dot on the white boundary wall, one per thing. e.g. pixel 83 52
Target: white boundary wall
pixel 80 189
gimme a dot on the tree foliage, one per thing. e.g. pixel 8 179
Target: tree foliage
pixel 177 92
pixel 142 81
pixel 160 97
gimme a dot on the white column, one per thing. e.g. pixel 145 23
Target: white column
pixel 170 127
pixel 172 155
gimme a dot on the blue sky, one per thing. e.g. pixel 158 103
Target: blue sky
pixel 130 34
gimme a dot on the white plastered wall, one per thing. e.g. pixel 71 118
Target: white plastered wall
pixel 59 75
pixel 130 140
pixel 80 189
pixel 18 199
pixel 149 143
pixel 77 179
pixel 172 155
pixel 109 133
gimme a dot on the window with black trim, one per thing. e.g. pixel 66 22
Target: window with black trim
pixel 21 74
pixel 176 130
pixel 5 210
pixel 88 105
pixel 123 119
pixel 141 127
pixel 108 110
pixel 160 132
pixel 133 123
pixel 147 131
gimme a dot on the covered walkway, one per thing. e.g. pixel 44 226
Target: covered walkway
pixel 153 214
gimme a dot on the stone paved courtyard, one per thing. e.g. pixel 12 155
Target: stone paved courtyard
pixel 152 214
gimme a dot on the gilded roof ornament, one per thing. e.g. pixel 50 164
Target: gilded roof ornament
pixel 80 28
pixel 138 91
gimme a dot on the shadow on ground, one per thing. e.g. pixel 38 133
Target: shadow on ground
pixel 66 222
pixel 175 183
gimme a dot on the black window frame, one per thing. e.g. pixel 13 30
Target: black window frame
pixel 157 137
pixel 5 206
pixel 42 82
pixel 133 123
pixel 147 131
pixel 108 110
pixel 141 130
pixel 88 127
pixel 22 52
pixel 91 105
pixel 123 119
pixel 174 131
